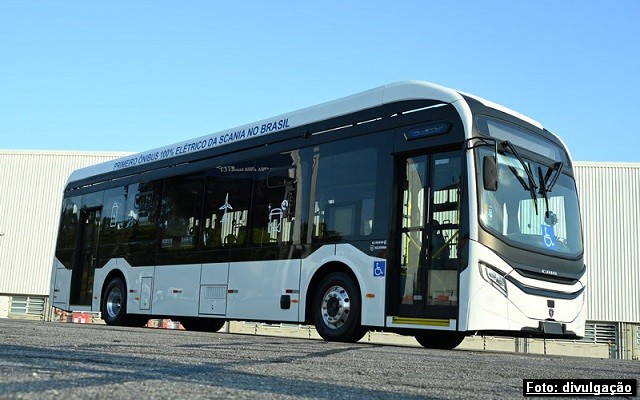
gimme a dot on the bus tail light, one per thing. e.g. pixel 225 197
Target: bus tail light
pixel 494 276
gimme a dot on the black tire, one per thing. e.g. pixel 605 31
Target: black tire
pixel 202 324
pixel 443 340
pixel 114 303
pixel 113 306
pixel 337 308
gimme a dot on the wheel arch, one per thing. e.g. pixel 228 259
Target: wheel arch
pixel 116 273
pixel 326 269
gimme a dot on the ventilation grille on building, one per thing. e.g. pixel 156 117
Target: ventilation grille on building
pixel 27 306
pixel 600 332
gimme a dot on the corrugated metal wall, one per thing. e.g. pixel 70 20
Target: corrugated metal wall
pixel 31 184
pixel 610 204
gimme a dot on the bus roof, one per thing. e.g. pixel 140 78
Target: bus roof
pixel 394 92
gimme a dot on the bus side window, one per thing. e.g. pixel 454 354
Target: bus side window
pixel 180 212
pixel 227 200
pixel 113 223
pixel 274 210
pixel 68 231
pixel 344 193
pixel 141 231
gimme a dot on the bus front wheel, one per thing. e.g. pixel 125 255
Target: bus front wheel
pixel 336 309
pixel 443 340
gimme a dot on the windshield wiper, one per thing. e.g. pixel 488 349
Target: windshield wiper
pixel 532 183
pixel 546 185
pixel 543 188
pixel 557 167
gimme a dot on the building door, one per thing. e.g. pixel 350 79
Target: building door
pixel 85 259
pixel 428 226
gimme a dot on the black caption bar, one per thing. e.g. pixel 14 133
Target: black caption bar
pixel 579 387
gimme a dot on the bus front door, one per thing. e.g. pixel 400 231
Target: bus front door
pixel 85 259
pixel 428 226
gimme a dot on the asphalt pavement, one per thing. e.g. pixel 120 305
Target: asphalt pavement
pixel 40 360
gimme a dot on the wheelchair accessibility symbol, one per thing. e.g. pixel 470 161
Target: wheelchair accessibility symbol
pixel 548 236
pixel 379 268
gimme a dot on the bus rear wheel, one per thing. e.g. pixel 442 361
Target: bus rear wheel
pixel 113 306
pixel 336 309
pixel 114 302
pixel 443 340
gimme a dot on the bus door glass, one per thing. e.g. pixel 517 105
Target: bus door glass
pixel 85 261
pixel 429 210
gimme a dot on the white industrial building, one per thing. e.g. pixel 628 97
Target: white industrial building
pixel 31 187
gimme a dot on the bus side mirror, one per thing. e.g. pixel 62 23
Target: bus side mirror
pixel 489 173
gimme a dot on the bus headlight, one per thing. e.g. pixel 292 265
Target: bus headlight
pixel 494 276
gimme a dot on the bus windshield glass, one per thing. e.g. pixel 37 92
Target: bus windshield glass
pixel 535 206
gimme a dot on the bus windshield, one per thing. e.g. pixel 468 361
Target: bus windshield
pixel 535 206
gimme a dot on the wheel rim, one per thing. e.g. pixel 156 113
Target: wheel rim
pixel 335 307
pixel 114 302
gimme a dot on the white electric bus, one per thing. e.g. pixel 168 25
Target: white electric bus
pixel 410 208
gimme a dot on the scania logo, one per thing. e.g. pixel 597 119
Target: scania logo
pixel 551 313
pixel 549 272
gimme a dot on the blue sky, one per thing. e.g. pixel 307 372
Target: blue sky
pixel 136 75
